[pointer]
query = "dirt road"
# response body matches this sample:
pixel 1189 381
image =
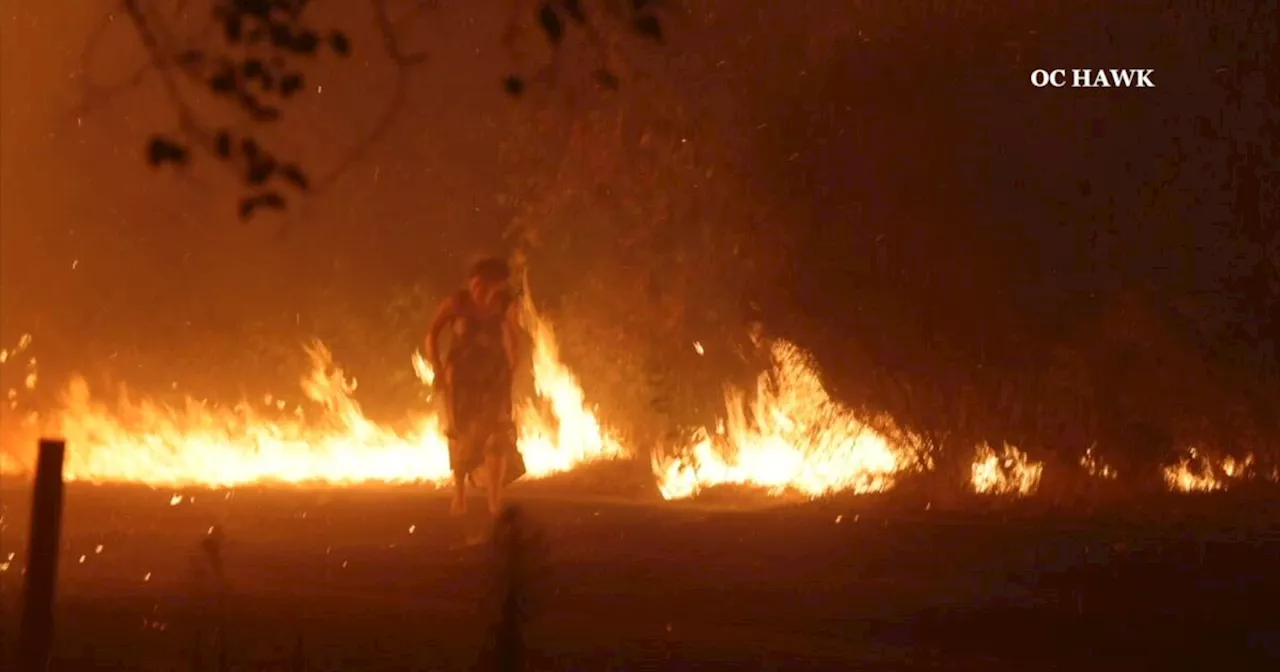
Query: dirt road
pixel 380 579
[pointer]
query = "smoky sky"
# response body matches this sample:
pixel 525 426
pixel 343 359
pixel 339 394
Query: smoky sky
pixel 1030 200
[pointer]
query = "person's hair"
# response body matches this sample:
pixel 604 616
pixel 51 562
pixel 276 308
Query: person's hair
pixel 491 269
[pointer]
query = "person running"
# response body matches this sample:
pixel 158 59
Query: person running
pixel 478 376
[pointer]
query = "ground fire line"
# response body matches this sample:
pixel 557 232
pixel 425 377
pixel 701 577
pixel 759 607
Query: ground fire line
pixel 788 437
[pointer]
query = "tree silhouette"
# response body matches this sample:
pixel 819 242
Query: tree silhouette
pixel 258 58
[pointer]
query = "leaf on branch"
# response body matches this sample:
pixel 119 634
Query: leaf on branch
pixel 233 28
pixel 253 68
pixel 162 150
pixel 222 144
pixel 306 42
pixel 295 176
pixel 224 82
pixel 340 43
pixel 258 8
pixel 281 36
pixel 552 25
pixel 513 85
pixel 291 84
pixel 251 204
pixel 606 79
pixel 256 109
pixel 260 170
pixel 649 26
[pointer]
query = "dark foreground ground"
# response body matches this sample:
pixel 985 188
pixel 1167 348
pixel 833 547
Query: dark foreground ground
pixel 377 579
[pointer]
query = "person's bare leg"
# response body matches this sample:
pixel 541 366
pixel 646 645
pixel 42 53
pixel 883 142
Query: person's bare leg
pixel 497 468
pixel 459 505
pixel 447 392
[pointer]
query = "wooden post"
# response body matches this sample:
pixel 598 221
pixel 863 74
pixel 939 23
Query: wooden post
pixel 505 649
pixel 35 637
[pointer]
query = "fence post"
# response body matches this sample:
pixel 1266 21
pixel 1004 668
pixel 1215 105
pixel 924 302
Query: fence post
pixel 516 556
pixel 35 635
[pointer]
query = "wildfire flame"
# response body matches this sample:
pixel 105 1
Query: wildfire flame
pixel 1195 472
pixel 569 434
pixel 201 445
pixel 1096 467
pixel 792 437
pixel 1007 473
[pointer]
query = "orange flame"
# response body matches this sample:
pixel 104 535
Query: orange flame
pixel 1007 473
pixel 792 437
pixel 198 444
pixel 1096 467
pixel 1195 472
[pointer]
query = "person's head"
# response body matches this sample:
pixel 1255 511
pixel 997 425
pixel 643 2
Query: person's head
pixel 487 279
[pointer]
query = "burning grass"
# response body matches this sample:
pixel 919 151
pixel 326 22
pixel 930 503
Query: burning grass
pixel 788 438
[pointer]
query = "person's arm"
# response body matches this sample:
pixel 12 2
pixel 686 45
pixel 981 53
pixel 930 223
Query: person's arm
pixel 445 314
pixel 511 336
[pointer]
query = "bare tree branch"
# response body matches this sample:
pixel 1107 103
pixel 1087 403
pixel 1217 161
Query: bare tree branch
pixel 238 75
pixel 404 64
pixel 94 92
pixel 160 62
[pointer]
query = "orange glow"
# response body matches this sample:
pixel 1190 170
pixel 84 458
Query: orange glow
pixel 1009 472
pixel 789 437
pixel 1096 467
pixel 202 445
pixel 1195 472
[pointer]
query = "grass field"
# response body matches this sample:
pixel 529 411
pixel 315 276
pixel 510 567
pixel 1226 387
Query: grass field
pixel 380 579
